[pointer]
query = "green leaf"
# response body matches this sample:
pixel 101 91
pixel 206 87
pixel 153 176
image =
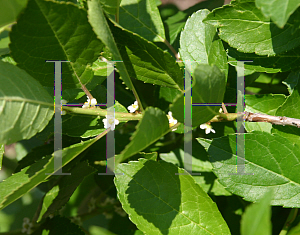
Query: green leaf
pixel 32 43
pixel 101 28
pixel 147 62
pixel 208 86
pixel 1 154
pixel 176 22
pixel 151 192
pixel 266 104
pixel 10 10
pixel 244 27
pixel 257 218
pixel 110 6
pixel 270 64
pixel 60 194
pixel 25 106
pixel 198 43
pixel 290 108
pixel 150 128
pixel 292 81
pixel 143 18
pixel 295 230
pixel 28 178
pixel 279 11
pixel 269 155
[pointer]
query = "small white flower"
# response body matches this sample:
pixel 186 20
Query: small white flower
pixel 220 110
pixel 132 108
pixel 208 128
pixel 110 122
pixel 63 102
pixel 89 103
pixel 172 121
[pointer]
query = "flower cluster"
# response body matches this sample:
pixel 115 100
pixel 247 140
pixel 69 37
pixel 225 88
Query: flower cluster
pixel 89 103
pixel 172 121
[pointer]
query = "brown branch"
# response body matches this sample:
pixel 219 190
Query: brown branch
pixel 277 120
pixel 257 117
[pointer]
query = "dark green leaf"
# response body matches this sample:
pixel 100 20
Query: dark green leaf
pixel 151 192
pixel 60 194
pixel 49 30
pixel 147 62
pixel 270 64
pixel 269 155
pixel 143 18
pixel 101 28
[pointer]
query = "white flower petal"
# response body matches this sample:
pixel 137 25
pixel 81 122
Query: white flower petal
pixel 93 102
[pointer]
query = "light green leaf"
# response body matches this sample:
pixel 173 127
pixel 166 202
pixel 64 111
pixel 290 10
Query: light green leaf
pixel 102 30
pixel 266 104
pixel 150 128
pixel 29 177
pixel 148 62
pixel 270 64
pixel 269 155
pixel 278 10
pixel 10 10
pixel 33 44
pixel 143 18
pixel 257 218
pixel 1 154
pixel 198 43
pixel 25 106
pixel 176 22
pixel 60 194
pixel 243 26
pixel 290 108
pixel 151 192
pixel 208 86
